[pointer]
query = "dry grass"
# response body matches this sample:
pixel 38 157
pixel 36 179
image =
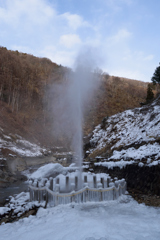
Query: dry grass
pixel 24 79
pixel 98 152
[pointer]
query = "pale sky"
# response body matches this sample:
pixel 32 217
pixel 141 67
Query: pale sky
pixel 124 34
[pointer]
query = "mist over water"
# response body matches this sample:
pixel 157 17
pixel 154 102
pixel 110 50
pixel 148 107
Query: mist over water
pixel 72 97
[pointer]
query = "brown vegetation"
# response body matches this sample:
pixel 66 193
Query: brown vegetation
pixel 114 95
pixel 24 80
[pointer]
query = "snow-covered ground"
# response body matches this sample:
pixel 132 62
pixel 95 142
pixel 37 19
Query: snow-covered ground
pixel 19 204
pixel 132 135
pixel 19 145
pixel 120 219
pixel 113 220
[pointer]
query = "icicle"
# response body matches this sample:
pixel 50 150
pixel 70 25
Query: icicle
pixel 94 182
pixel 102 182
pixel 67 184
pixel 51 184
pixel 76 183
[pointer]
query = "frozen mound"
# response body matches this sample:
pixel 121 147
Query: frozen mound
pixel 50 169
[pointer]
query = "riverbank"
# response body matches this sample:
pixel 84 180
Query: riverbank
pixel 13 168
pixel 13 179
pixel 14 171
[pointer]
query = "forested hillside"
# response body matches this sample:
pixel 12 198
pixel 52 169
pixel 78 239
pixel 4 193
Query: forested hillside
pixel 24 80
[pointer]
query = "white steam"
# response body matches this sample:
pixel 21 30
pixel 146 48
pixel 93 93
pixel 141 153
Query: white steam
pixel 70 100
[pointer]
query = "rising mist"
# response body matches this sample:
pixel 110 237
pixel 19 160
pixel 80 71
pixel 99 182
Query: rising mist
pixel 69 101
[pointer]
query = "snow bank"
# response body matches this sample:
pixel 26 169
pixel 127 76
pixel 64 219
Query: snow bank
pixel 4 210
pixel 19 204
pixel 142 152
pixel 114 220
pixel 47 170
pixel 112 164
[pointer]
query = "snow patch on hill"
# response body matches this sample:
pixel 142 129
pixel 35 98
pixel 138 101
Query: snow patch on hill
pixel 143 151
pixel 19 145
pixel 131 135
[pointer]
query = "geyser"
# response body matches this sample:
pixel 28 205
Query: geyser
pixel 83 84
pixel 70 100
pixel 80 91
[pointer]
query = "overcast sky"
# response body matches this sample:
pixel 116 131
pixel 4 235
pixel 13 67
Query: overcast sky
pixel 124 34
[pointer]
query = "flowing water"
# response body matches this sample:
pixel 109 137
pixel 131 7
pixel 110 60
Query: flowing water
pixel 12 189
pixel 33 163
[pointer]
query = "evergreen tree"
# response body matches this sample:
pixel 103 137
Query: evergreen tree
pixel 156 76
pixel 150 94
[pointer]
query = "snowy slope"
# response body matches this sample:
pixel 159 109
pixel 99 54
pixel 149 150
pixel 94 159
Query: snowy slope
pixel 19 145
pixel 133 135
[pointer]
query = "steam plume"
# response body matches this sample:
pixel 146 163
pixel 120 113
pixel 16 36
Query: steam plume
pixel 70 100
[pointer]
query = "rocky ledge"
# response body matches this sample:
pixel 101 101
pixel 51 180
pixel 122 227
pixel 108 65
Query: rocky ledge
pixel 143 183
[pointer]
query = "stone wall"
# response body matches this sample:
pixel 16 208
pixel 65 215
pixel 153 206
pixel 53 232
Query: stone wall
pixel 145 179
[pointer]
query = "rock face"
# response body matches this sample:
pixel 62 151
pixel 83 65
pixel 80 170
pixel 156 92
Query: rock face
pixel 145 179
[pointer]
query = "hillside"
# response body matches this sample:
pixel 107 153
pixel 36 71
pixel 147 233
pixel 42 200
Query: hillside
pixel 124 138
pixel 24 80
pixel 25 101
pixel 127 145
pixel 131 135
pixel 114 95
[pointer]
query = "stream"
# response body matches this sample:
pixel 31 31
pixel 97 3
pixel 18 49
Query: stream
pixel 33 163
pixel 14 188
